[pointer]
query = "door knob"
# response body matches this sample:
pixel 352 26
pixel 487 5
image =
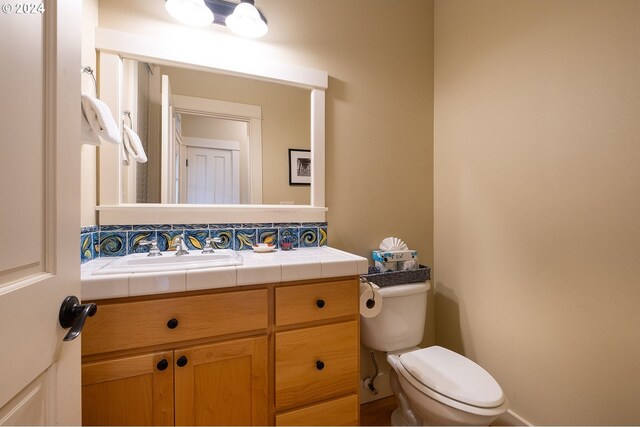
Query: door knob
pixel 73 315
pixel 182 361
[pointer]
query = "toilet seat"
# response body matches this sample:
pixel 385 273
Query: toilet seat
pixel 451 379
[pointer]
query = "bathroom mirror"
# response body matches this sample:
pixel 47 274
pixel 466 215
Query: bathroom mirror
pixel 229 137
pixel 186 61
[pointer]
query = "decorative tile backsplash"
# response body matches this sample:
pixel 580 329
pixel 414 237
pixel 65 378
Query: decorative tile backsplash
pixel 120 240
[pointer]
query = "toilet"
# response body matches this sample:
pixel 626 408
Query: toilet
pixel 434 386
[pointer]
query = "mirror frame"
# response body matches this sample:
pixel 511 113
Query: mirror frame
pixel 113 46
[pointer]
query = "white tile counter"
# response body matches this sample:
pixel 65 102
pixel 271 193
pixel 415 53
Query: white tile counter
pixel 257 268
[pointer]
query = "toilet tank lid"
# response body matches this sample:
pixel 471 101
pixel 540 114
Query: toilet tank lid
pixel 453 376
pixel 404 290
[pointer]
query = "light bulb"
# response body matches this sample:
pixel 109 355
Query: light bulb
pixel 246 21
pixel 190 12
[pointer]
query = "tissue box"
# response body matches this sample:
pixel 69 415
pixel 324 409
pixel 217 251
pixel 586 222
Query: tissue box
pixel 393 256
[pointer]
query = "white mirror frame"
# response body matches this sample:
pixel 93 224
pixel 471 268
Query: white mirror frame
pixel 113 46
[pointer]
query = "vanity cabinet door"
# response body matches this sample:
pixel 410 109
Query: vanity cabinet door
pixel 134 390
pixel 222 384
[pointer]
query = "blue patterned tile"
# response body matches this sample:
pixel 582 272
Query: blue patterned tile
pixel 289 232
pixel 115 228
pixel 112 243
pixel 323 236
pixel 244 239
pixel 313 224
pixel 223 226
pixel 88 229
pixel 196 238
pixel 166 239
pixel 227 237
pixel 287 224
pixel 135 237
pixel 257 225
pixel 87 249
pixel 268 235
pixel 151 227
pixel 309 237
pixel 181 227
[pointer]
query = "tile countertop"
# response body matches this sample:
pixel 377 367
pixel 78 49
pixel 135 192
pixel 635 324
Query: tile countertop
pixel 257 268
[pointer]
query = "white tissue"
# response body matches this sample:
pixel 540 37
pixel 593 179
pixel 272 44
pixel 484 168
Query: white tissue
pixel 370 300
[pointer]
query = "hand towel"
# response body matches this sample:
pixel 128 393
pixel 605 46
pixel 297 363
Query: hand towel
pixel 133 145
pixel 87 135
pixel 100 119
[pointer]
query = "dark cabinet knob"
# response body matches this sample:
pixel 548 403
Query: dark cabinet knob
pixel 320 303
pixel 162 365
pixel 182 361
pixel 172 324
pixel 319 365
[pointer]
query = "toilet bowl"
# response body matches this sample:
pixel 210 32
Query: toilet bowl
pixel 434 386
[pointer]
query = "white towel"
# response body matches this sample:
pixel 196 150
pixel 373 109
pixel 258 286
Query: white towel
pixel 100 119
pixel 133 145
pixel 87 135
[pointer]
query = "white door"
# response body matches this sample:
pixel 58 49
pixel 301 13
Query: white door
pixel 39 210
pixel 212 176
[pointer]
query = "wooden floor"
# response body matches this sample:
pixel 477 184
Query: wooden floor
pixel 378 412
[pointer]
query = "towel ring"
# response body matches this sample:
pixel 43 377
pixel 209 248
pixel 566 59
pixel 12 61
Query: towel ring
pixel 127 113
pixel 89 70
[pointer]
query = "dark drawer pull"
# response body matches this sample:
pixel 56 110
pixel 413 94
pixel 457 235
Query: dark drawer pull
pixel 172 324
pixel 319 365
pixel 162 365
pixel 320 303
pixel 182 361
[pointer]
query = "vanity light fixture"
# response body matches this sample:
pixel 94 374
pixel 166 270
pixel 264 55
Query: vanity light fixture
pixel 246 20
pixel 243 19
pixel 190 12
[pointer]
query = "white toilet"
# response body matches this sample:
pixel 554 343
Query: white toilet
pixel 434 386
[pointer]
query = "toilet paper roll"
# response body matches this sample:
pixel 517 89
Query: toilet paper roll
pixel 370 300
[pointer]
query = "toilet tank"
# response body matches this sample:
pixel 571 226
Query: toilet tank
pixel 400 323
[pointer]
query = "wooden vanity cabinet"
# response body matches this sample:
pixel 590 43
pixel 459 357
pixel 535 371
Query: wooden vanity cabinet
pixel 283 354
pixel 220 382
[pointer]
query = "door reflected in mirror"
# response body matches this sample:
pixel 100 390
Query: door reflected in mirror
pixel 212 138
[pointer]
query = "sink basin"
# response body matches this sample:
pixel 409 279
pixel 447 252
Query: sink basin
pixel 142 263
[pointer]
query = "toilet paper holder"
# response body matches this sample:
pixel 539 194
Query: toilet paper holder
pixel 371 302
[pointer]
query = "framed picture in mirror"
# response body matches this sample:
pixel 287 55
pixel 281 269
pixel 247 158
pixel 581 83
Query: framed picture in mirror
pixel 299 167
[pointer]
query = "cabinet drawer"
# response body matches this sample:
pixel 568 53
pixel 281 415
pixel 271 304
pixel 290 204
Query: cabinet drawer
pixel 314 364
pixel 317 301
pixel 338 412
pixel 139 324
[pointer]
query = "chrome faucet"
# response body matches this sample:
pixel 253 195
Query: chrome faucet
pixel 153 247
pixel 181 245
pixel 208 247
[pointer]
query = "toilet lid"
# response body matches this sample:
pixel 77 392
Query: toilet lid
pixel 453 376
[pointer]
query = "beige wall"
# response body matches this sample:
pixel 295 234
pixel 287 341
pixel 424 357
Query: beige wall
pixel 537 201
